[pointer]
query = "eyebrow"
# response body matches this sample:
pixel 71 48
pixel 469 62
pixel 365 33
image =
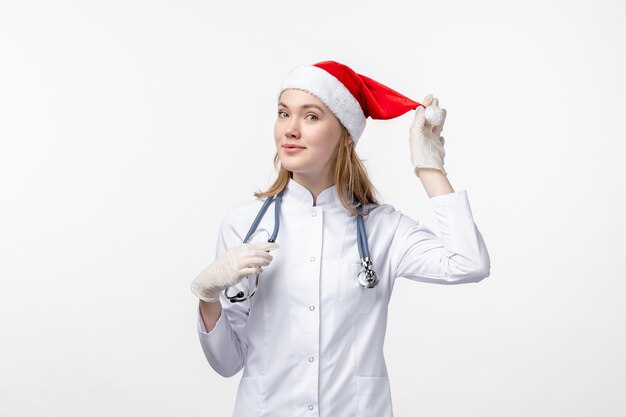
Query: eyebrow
pixel 304 106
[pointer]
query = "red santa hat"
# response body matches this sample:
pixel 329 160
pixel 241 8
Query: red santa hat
pixel 350 96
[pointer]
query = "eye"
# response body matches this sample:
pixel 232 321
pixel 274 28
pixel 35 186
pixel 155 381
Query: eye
pixel 314 117
pixel 281 113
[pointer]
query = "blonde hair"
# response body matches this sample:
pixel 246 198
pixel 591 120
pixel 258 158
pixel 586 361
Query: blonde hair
pixel 351 179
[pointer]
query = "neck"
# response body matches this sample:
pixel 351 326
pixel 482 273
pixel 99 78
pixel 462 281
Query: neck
pixel 314 183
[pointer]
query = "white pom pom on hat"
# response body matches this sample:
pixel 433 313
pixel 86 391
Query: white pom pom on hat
pixel 434 115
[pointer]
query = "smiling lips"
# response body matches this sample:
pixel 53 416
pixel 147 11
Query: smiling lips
pixel 290 149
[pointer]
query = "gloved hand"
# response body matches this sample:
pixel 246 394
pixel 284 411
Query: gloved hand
pixel 426 145
pixel 230 268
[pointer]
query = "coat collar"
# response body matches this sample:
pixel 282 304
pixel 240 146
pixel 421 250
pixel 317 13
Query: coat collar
pixel 300 194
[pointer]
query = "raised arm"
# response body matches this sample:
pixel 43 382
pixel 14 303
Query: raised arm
pixel 459 254
pixel 434 182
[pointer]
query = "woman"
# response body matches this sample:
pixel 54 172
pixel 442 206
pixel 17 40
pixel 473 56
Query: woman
pixel 310 339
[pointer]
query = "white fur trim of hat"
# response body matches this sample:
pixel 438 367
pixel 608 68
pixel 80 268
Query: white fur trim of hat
pixel 330 91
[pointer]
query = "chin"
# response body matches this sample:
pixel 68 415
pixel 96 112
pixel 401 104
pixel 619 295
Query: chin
pixel 290 163
pixel 295 168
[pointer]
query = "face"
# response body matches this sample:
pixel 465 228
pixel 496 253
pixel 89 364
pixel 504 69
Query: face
pixel 306 134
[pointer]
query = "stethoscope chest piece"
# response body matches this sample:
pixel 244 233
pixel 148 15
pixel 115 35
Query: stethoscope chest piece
pixel 368 278
pixel 240 296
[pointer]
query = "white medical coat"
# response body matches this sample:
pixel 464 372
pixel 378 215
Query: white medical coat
pixel 310 341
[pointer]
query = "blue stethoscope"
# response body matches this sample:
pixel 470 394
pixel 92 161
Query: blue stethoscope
pixel 367 277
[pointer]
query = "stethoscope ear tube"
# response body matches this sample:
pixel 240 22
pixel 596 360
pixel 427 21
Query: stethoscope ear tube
pixel 368 278
pixel 279 200
pixel 259 216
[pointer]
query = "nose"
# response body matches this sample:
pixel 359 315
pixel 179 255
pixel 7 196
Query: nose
pixel 293 130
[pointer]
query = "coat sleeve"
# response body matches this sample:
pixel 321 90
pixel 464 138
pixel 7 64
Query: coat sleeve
pixel 226 345
pixel 458 255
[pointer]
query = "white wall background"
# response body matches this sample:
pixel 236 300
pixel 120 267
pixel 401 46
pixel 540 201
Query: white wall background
pixel 129 128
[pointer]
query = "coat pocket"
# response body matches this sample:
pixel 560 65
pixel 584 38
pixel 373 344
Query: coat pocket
pixel 355 298
pixel 249 401
pixel 374 396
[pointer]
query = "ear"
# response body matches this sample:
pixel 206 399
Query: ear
pixel 346 134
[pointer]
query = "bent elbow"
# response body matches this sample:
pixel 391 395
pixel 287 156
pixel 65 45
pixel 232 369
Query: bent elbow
pixel 481 268
pixel 480 271
pixel 227 371
pixel 484 266
pixel 480 274
pixel 468 277
pixel 225 360
pixel 476 273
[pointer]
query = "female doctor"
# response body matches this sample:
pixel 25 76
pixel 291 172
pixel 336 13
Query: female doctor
pixel 310 335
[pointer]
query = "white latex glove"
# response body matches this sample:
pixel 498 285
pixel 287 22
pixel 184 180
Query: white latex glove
pixel 230 268
pixel 426 145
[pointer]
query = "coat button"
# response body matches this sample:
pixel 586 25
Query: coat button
pixel 311 308
pixel 313 213
pixel 311 358
pixel 310 407
pixel 312 259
